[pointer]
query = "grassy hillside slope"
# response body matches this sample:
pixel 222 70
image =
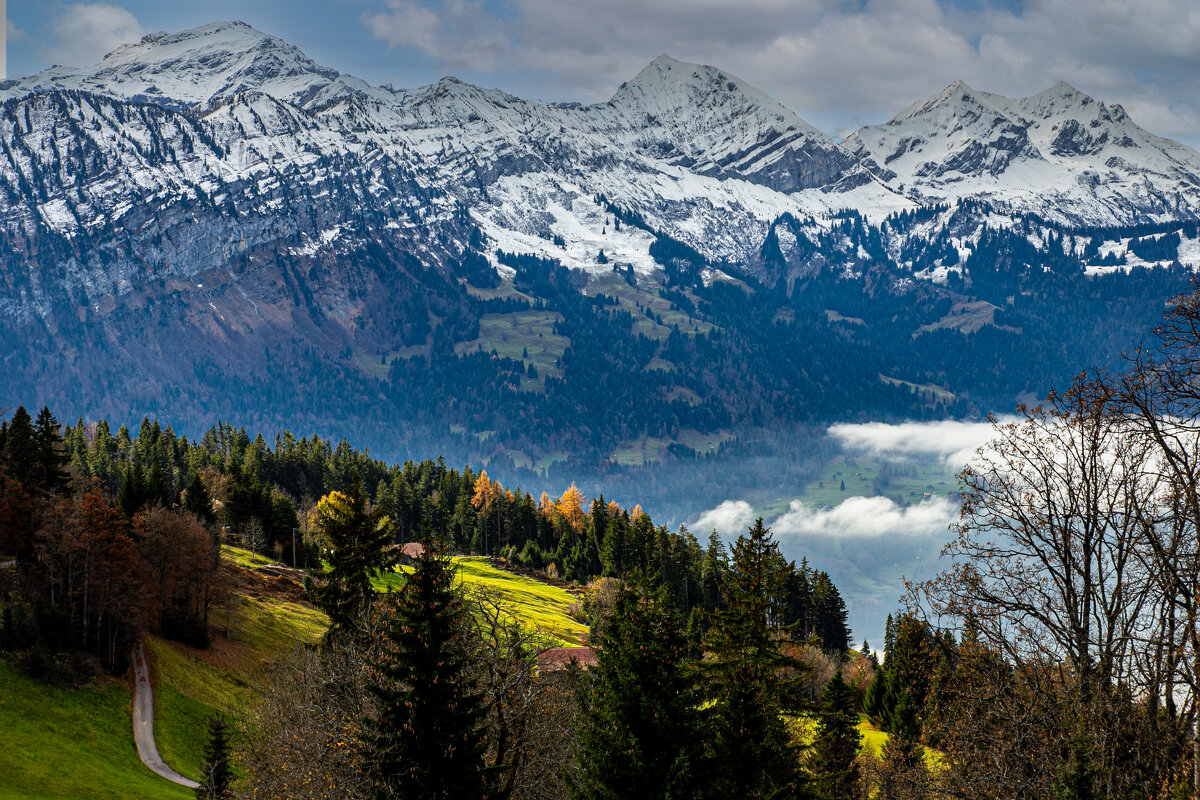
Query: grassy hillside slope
pixel 74 744
pixel 79 744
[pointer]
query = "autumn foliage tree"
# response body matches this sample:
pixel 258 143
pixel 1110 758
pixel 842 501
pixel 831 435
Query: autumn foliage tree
pixel 82 589
pixel 183 566
pixel 355 538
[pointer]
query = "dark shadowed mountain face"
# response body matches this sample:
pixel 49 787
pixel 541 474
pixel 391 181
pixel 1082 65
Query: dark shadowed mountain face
pixel 209 225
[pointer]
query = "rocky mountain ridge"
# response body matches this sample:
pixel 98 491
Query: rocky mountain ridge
pixel 220 129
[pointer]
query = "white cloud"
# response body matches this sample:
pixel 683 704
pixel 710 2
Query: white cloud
pixel 84 32
pixel 13 33
pixel 729 519
pixel 406 24
pixel 854 517
pixel 835 60
pixel 867 517
pixel 949 442
pixel 457 33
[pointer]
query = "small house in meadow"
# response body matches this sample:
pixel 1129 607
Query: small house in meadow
pixel 557 659
pixel 410 552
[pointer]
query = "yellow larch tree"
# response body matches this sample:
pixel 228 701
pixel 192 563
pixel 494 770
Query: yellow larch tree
pixel 570 506
pixel 485 491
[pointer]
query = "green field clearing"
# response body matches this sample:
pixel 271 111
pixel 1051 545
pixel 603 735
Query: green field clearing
pixel 681 393
pixel 72 743
pixel 858 473
pixel 380 364
pixel 643 450
pixel 873 739
pixel 247 559
pixel 967 318
pixel 630 298
pixel 505 290
pixel 539 605
pixel 703 442
pixel 648 449
pixel 544 461
pixel 523 335
pixel 937 391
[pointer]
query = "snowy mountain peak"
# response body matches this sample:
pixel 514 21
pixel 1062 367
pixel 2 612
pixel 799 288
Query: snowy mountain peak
pixel 716 123
pixel 952 97
pixel 1059 153
pixel 193 67
pixel 667 85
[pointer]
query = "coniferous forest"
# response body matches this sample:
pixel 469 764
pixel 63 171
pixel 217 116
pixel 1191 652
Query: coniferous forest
pixel 1052 657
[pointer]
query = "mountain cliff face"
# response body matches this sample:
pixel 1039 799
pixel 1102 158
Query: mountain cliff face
pixel 213 223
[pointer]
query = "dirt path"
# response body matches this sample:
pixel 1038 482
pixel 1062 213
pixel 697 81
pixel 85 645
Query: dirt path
pixel 143 721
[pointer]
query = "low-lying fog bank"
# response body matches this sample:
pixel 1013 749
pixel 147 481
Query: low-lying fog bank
pixel 869 545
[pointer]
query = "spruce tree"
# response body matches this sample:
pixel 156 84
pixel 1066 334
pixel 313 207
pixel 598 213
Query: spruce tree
pixel 642 735
pixel 356 538
pixel 758 758
pixel 836 743
pixel 132 495
pixel 21 451
pixel 216 776
pixel 198 501
pixel 428 740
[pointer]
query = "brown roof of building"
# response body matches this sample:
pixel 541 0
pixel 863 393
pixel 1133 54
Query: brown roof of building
pixel 559 658
pixel 413 550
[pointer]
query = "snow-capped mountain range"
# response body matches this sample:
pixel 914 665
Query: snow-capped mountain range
pixel 175 152
pixel 1059 153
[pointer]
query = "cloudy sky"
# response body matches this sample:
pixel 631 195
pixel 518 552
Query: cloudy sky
pixel 837 63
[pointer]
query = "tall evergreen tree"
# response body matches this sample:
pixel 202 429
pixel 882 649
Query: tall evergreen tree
pixel 642 736
pixel 198 501
pixel 712 571
pixel 428 741
pixel 758 758
pixel 133 493
pixel 216 775
pixel 836 743
pixel 831 615
pixel 356 539
pixel 21 451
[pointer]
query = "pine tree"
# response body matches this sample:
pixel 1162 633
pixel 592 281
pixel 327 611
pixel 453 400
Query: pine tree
pixel 132 495
pixel 642 737
pixel 712 571
pixel 216 775
pixel 198 501
pixel 21 451
pixel 356 539
pixel 831 614
pixel 836 743
pixel 758 757
pixel 428 741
